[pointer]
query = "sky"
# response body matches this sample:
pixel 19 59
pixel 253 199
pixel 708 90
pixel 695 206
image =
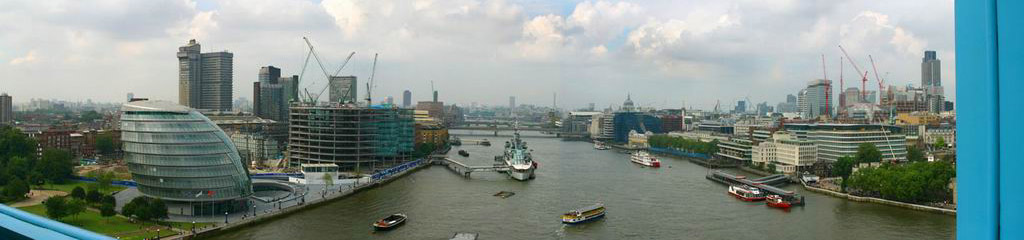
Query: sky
pixel 663 53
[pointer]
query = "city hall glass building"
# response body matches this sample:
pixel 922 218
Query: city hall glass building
pixel 177 154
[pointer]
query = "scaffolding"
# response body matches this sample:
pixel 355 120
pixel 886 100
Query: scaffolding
pixel 359 139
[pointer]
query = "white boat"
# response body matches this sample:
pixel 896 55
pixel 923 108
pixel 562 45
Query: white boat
pixel 746 193
pixel 599 145
pixel 518 159
pixel 643 158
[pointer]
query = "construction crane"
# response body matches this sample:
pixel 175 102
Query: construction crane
pixel 369 82
pixel 828 85
pixel 863 77
pixel 320 63
pixel 881 86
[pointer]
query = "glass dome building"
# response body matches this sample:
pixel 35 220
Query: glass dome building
pixel 177 154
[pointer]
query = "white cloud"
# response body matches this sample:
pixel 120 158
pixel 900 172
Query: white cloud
pixel 30 57
pixel 494 47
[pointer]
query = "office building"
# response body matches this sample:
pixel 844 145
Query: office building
pixel 624 122
pixel 390 100
pixel 290 86
pixel 931 81
pixel 342 89
pixel 177 154
pixel 6 109
pixel 434 110
pixel 816 99
pixel 204 79
pixel 435 96
pixel 577 124
pixel 407 99
pixel 837 140
pixel 602 126
pixel 741 107
pixel 736 149
pixel 356 139
pixel 789 153
pixel 272 99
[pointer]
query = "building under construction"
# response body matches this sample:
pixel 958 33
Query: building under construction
pixel 359 139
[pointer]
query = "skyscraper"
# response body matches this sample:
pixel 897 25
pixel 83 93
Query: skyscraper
pixel 272 101
pixel 435 95
pixel 931 81
pixel 342 89
pixel 816 99
pixel 512 102
pixel 290 85
pixel 6 110
pixel 204 79
pixel 407 99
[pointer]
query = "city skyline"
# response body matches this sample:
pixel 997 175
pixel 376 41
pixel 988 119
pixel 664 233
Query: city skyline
pixel 661 54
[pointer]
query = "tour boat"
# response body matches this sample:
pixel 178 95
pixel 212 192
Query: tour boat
pixel 600 145
pixel 390 222
pixel 746 193
pixel 776 201
pixel 582 215
pixel 643 158
pixel 463 153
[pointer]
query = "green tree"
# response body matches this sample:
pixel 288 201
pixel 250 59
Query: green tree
pixel 56 165
pixel 328 180
pixel 107 210
pixel 75 206
pixel 137 208
pixel 78 193
pixel 93 196
pixel 15 144
pixel 914 154
pixel 18 166
pixel 843 168
pixel 105 143
pixel 56 207
pixel 15 189
pixel 145 208
pixel 35 178
pixel 771 167
pixel 109 199
pixel 157 209
pixel 867 153
pixel 940 143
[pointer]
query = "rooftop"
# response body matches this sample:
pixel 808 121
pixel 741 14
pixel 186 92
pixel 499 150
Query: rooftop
pixel 154 106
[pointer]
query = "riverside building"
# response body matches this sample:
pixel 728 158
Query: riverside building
pixel 177 154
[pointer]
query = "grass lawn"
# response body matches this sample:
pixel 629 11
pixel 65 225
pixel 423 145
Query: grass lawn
pixel 112 226
pixel 71 184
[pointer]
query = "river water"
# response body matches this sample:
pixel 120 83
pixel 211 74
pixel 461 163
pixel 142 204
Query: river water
pixel 671 202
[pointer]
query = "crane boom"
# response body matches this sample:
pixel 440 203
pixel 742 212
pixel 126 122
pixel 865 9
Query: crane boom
pixel 369 82
pixel 863 77
pixel 878 79
pixel 343 64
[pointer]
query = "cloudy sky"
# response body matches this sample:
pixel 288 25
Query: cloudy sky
pixel 664 53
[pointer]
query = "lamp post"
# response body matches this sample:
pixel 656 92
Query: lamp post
pixel 193 226
pixel 225 217
pixel 157 233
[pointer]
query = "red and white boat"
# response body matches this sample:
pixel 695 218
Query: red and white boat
pixel 776 201
pixel 643 158
pixel 746 193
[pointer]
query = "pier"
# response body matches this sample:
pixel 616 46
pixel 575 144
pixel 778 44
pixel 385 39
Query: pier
pixel 764 183
pixel 466 170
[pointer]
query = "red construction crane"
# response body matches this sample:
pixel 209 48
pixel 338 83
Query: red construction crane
pixel 881 86
pixel 863 77
pixel 828 87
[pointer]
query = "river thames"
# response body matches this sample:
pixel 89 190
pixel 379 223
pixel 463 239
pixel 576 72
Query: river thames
pixel 671 202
